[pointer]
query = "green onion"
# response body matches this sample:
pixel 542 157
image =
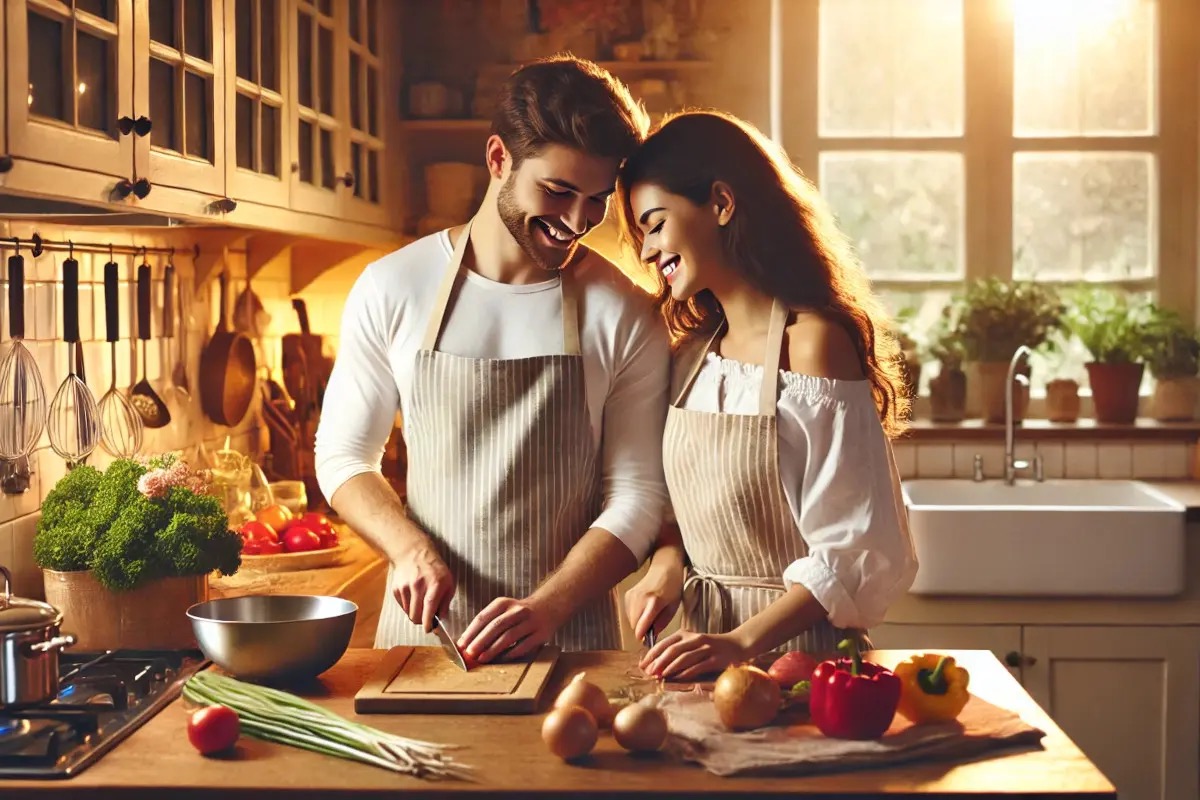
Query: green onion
pixel 283 718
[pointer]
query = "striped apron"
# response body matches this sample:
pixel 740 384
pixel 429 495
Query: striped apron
pixel 502 474
pixel 722 473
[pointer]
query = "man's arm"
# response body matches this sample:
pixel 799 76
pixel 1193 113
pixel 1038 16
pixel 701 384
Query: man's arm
pixel 349 448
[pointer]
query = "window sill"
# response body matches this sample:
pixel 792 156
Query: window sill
pixel 1042 430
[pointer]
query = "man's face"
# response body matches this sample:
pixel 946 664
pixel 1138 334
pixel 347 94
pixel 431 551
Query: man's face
pixel 552 199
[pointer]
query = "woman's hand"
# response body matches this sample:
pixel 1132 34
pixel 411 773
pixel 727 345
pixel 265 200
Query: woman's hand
pixel 685 655
pixel 652 602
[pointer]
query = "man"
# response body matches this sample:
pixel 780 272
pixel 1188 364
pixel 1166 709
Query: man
pixel 531 378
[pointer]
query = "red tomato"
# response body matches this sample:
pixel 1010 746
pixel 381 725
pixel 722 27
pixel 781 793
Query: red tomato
pixel 269 548
pixel 259 531
pixel 213 729
pixel 298 538
pixel 791 668
pixel 322 526
pixel 252 547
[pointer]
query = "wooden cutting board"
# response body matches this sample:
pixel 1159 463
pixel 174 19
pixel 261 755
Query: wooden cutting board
pixel 424 680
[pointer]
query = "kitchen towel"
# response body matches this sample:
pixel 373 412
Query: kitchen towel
pixel 794 746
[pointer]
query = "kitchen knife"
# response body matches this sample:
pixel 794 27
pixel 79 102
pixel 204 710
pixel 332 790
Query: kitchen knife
pixel 448 644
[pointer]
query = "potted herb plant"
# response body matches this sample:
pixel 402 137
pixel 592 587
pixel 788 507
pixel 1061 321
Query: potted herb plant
pixel 994 318
pixel 1174 362
pixel 126 551
pixel 947 389
pixel 1118 337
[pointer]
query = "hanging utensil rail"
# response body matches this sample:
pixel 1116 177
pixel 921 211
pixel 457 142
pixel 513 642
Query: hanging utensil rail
pixel 37 245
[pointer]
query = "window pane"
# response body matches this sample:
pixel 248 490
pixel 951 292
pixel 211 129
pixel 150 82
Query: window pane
pixel 1083 67
pixel 1084 216
pixel 162 106
pixel 270 140
pixel 304 152
pixel 245 39
pixel 196 14
pixel 325 68
pixel 162 22
pixel 245 133
pixel 373 25
pixel 93 82
pixel 373 175
pixel 372 101
pixel 198 96
pixel 891 69
pixel 46 67
pixel 304 51
pixel 902 211
pixel 269 33
pixel 355 21
pixel 356 164
pixel 326 159
pixel 105 9
pixel 356 92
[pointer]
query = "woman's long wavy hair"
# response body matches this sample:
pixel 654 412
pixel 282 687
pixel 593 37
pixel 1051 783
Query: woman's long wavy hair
pixel 782 238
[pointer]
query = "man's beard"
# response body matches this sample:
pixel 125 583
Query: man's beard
pixel 514 217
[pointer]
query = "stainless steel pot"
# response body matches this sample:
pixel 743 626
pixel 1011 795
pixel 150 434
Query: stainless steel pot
pixel 29 646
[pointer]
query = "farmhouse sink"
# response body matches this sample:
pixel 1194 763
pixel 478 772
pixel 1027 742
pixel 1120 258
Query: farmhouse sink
pixel 1094 538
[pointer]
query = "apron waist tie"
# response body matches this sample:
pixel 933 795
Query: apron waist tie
pixel 709 592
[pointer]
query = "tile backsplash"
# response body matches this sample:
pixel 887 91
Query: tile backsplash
pixel 1142 460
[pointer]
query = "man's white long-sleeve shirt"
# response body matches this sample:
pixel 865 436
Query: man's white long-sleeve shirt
pixel 625 353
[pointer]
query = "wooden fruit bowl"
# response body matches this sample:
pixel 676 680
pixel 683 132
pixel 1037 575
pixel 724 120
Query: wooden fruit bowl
pixel 293 562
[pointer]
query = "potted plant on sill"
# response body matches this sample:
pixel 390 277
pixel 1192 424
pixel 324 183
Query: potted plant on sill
pixel 947 389
pixel 126 551
pixel 994 318
pixel 1174 363
pixel 1118 337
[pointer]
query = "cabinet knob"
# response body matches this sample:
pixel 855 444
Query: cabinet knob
pixel 6 164
pixel 139 188
pixel 141 126
pixel 1015 659
pixel 347 180
pixel 223 206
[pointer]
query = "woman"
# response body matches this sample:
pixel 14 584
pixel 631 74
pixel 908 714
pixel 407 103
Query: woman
pixel 785 490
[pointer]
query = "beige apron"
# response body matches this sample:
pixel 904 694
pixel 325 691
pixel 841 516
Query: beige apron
pixel 502 473
pixel 722 473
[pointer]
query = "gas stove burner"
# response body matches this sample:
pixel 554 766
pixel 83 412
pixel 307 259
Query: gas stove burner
pixel 103 697
pixel 13 731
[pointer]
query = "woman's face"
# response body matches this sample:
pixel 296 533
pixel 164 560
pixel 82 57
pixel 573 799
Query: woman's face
pixel 682 240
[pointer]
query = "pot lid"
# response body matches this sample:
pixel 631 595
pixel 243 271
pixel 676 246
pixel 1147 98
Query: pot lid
pixel 18 614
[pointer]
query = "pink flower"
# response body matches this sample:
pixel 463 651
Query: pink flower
pixel 153 483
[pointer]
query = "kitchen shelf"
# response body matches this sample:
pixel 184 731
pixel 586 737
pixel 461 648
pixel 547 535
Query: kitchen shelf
pixel 447 124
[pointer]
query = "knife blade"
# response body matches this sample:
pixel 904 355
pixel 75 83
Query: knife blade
pixel 448 644
pixel 650 638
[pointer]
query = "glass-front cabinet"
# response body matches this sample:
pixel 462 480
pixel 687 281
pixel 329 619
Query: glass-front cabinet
pixel 69 79
pixel 256 68
pixel 179 46
pixel 337 165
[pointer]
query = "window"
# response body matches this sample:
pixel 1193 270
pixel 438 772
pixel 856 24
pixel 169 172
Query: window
pixel 1031 139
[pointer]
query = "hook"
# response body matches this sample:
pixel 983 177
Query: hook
pixel 144 251
pixel 111 257
pixel 37 244
pixel 17 244
pixel 70 250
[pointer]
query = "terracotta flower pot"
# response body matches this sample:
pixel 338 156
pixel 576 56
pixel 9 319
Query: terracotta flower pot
pixel 1062 400
pixel 992 376
pixel 948 395
pixel 150 617
pixel 1115 391
pixel 1175 399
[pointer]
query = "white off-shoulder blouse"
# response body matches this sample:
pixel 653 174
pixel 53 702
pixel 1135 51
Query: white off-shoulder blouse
pixel 840 480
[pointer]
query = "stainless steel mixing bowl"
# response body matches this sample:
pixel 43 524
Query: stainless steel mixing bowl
pixel 274 637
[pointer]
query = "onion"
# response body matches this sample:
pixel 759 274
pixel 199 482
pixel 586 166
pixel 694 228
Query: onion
pixel 639 728
pixel 570 732
pixel 588 696
pixel 746 698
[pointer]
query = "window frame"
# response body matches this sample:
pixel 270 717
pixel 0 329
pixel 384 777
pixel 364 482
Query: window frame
pixel 988 143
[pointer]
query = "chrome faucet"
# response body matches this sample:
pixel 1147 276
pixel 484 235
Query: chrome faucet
pixel 1011 463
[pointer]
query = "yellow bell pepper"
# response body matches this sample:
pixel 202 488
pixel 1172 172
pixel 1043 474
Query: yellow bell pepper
pixel 932 688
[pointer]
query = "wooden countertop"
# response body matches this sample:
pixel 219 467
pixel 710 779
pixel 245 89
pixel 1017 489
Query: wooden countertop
pixel 157 761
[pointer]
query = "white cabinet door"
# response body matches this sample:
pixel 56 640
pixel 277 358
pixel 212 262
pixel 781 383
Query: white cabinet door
pixel 1129 697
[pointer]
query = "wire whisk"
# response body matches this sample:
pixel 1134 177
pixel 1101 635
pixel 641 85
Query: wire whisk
pixel 22 393
pixel 121 425
pixel 73 421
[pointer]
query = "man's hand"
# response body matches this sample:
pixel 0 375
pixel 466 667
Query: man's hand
pixel 653 600
pixel 423 584
pixel 508 629
pixel 685 655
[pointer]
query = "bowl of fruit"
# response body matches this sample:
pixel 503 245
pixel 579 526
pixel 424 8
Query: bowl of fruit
pixel 275 540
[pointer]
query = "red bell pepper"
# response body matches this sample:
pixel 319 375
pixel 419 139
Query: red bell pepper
pixel 853 700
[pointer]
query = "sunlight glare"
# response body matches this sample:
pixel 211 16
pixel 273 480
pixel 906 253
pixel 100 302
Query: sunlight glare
pixel 1047 21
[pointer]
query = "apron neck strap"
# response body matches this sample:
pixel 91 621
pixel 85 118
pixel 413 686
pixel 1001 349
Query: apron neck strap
pixel 437 319
pixel 769 388
pixel 770 377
